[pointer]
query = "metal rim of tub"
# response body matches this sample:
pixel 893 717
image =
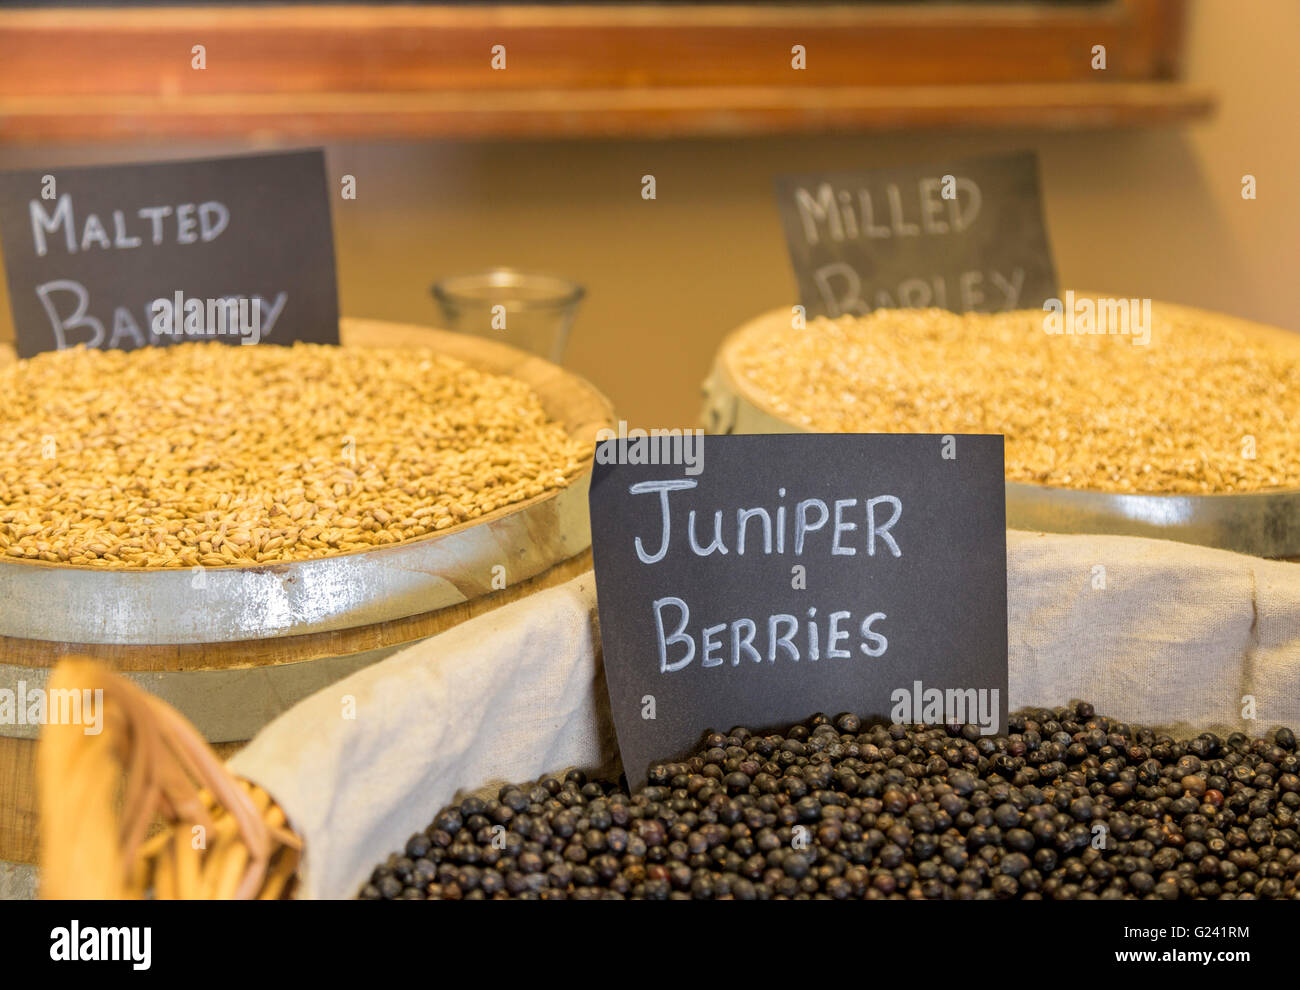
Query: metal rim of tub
pixel 55 603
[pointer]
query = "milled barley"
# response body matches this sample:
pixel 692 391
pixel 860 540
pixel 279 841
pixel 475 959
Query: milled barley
pixel 1210 405
pixel 212 455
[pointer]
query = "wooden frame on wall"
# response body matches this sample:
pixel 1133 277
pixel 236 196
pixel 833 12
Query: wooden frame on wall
pixel 355 72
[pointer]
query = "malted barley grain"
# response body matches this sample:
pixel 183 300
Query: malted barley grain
pixel 205 454
pixel 1205 407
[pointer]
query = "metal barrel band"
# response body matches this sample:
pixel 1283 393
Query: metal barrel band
pixel 225 705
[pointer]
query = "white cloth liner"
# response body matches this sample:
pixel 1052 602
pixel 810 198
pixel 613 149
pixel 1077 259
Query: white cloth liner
pixel 1151 631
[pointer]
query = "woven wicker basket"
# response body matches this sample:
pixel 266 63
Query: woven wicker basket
pixel 135 804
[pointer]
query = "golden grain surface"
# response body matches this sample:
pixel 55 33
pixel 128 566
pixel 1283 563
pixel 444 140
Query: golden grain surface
pixel 208 454
pixel 1208 406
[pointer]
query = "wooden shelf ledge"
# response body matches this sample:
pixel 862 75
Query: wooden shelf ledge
pixel 608 113
pixel 309 72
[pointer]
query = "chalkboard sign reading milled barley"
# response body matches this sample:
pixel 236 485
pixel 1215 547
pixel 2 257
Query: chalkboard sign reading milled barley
pixel 1068 805
pixel 966 235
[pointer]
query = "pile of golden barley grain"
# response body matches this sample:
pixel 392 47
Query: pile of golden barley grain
pixel 1209 405
pixel 208 454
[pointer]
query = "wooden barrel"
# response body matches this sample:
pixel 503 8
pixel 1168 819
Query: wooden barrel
pixel 261 637
pixel 1264 524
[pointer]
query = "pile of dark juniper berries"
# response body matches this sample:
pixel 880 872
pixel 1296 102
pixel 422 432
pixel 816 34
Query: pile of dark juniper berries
pixel 1068 805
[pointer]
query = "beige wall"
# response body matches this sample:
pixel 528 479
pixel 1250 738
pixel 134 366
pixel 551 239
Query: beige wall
pixel 1142 213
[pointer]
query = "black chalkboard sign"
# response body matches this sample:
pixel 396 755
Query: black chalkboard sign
pixel 758 580
pixel 238 250
pixel 967 235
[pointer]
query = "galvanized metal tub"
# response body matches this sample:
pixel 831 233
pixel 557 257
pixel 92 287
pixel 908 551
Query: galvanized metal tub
pixel 1264 524
pixel 255 639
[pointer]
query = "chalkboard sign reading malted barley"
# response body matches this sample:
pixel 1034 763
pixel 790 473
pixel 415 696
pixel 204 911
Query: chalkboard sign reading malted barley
pixel 757 580
pixel 238 250
pixel 965 235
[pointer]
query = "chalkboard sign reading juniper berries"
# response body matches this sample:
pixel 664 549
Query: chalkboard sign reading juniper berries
pixel 801 573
